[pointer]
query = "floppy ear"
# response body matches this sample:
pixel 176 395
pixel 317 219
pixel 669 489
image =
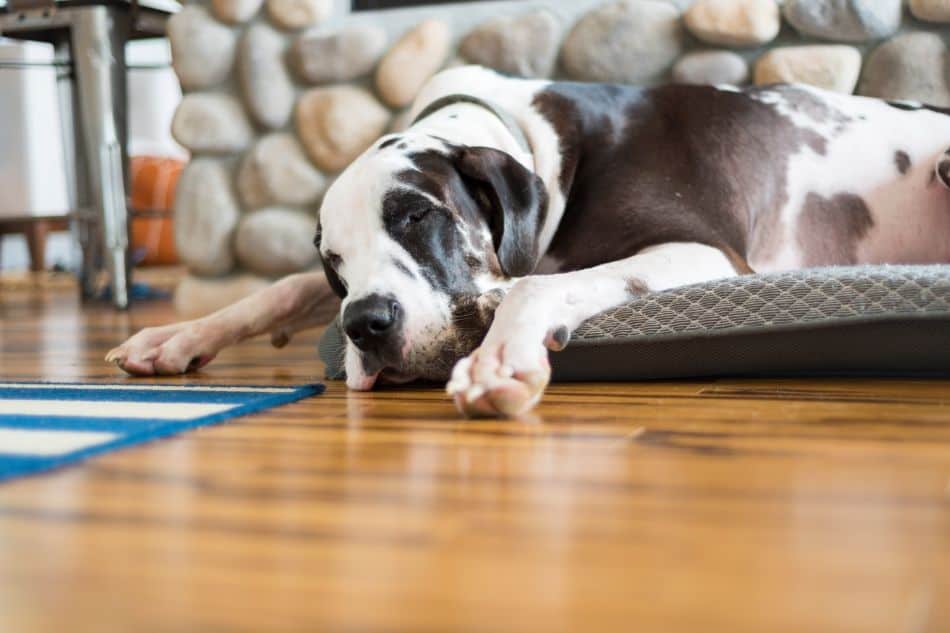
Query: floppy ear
pixel 332 278
pixel 513 201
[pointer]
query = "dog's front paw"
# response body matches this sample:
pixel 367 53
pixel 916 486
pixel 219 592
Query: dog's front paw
pixel 169 350
pixel 504 379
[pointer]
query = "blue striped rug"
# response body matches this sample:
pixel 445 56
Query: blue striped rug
pixel 44 425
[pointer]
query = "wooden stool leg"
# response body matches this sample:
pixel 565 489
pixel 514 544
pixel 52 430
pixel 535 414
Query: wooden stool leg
pixel 36 243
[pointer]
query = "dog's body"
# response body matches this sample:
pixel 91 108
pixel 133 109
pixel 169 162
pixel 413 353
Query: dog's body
pixel 562 200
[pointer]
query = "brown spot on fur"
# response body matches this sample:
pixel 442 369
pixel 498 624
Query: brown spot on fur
pixel 902 160
pixel 470 320
pixel 636 288
pixel 830 229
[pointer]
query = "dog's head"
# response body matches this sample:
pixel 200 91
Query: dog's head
pixel 420 238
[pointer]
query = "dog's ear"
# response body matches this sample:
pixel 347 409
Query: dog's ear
pixel 513 200
pixel 318 236
pixel 332 278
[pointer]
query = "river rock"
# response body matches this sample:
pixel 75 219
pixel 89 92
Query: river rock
pixel 338 123
pixel 734 22
pixel 276 241
pixel 196 297
pixel 525 46
pixel 412 61
pixel 711 67
pixel 206 215
pixel 931 10
pixel 235 11
pixel 832 67
pixel 631 41
pixel 298 14
pixel 212 123
pixel 912 67
pixel 844 20
pixel 276 171
pixel 335 57
pixel 202 48
pixel 265 82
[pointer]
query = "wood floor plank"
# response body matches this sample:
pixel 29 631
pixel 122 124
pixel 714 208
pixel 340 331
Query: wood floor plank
pixel 706 505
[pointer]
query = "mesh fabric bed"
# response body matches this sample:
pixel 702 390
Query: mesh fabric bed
pixel 880 320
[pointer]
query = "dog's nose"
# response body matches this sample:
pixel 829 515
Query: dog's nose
pixel 371 321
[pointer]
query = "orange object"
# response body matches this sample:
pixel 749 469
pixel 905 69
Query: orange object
pixel 151 199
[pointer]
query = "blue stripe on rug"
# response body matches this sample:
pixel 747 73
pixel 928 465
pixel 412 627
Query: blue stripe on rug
pixel 45 425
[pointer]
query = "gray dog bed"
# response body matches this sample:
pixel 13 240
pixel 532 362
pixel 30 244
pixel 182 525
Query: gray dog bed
pixel 880 320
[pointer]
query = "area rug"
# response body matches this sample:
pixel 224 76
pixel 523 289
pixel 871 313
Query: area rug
pixel 45 425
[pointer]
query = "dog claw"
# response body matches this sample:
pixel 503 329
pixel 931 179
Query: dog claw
pixel 279 339
pixel 558 338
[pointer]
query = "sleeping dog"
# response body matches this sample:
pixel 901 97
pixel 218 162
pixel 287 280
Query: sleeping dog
pixel 511 210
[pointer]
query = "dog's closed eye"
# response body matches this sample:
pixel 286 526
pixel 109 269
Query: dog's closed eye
pixel 418 213
pixel 331 267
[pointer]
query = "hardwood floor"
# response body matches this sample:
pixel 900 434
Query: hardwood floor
pixel 727 505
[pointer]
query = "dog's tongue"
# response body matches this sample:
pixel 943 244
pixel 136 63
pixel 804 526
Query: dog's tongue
pixel 362 382
pixel 366 379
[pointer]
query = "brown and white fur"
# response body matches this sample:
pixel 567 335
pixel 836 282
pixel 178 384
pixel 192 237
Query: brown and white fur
pixel 458 253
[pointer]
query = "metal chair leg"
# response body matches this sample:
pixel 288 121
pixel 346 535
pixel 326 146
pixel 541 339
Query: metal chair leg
pixel 99 36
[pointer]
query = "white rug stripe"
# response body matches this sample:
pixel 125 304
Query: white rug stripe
pixel 93 387
pixel 113 409
pixel 48 443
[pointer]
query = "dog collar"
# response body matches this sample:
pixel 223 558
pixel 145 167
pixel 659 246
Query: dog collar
pixel 508 121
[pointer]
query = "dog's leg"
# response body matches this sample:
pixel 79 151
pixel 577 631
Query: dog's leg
pixel 507 374
pixel 288 306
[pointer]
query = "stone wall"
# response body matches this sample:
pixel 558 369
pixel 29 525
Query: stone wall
pixel 283 94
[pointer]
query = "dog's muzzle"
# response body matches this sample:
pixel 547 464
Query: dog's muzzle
pixel 374 325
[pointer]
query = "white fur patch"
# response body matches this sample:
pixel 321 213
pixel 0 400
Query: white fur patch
pixel 507 374
pixel 910 219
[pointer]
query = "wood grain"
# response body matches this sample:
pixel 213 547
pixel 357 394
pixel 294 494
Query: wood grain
pixel 730 505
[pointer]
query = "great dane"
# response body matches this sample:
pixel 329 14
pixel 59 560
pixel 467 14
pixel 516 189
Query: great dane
pixel 468 246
